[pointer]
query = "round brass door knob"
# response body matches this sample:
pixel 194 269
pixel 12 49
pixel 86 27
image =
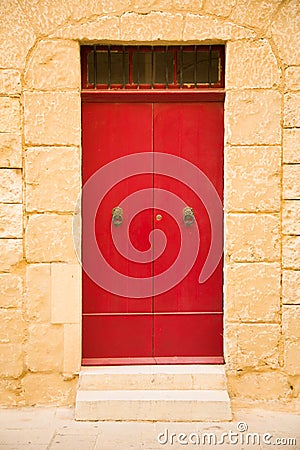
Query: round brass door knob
pixel 158 217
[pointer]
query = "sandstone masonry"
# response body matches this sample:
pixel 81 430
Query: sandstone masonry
pixel 40 158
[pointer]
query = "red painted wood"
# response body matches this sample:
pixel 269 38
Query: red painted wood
pixel 117 336
pixel 193 131
pixel 163 329
pixel 110 131
pixel 206 95
pixel 141 361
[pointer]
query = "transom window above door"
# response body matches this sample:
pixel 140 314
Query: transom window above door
pixel 148 67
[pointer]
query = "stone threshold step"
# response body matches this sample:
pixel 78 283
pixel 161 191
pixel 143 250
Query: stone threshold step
pixel 162 405
pixel 157 368
pixel 207 377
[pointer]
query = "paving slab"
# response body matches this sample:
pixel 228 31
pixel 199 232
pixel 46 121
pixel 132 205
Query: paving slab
pixel 55 429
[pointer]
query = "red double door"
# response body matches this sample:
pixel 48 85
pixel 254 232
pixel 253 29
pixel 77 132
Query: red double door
pixel 156 311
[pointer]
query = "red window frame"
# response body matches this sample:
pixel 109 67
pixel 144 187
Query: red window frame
pixel 130 86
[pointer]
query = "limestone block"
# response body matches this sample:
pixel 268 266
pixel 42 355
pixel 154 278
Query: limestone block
pixel 101 28
pixel 253 117
pixel 10 392
pixel 72 349
pixel 292 357
pixel 11 289
pixel 52 178
pixel 292 78
pixel 291 145
pixel 48 389
pixel 291 252
pixel 11 253
pixel 188 5
pixel 252 237
pixel 11 221
pixel 151 27
pixel 54 65
pixel 254 13
pixel 10 150
pixel 291 287
pixel 16 35
pixel 219 7
pixel 230 343
pixel 209 28
pixel 46 15
pixel 258 345
pixel 291 217
pixel 52 118
pixel 10 186
pixel 65 293
pixel 291 182
pixel 12 326
pixel 253 292
pixel 38 292
pixel 142 6
pixel 11 356
pixel 48 237
pixel 10 82
pixel 257 385
pixel 291 321
pixel 286 32
pixel 44 347
pixel 9 115
pixel 252 178
pixel 251 64
pixel 292 109
pixel 297 387
pixel 92 8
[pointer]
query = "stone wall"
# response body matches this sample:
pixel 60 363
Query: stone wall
pixel 40 136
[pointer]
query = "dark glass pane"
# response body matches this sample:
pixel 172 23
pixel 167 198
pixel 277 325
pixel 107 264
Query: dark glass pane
pixel 117 67
pixel 188 64
pixel 90 63
pixel 142 68
pixel 206 72
pixel 215 67
pixel 164 67
pixel 102 67
pixel 203 67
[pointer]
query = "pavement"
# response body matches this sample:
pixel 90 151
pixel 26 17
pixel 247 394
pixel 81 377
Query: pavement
pixel 54 428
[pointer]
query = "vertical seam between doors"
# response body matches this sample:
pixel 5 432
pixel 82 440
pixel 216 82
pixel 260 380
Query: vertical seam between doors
pixel 153 224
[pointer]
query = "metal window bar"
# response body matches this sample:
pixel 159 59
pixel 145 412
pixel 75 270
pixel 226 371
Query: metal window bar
pixel 175 55
pixel 152 68
pixel 109 66
pixel 130 68
pixel 181 68
pixel 123 67
pixel 95 67
pixel 195 65
pixel 167 67
pixel 209 66
pixel 138 67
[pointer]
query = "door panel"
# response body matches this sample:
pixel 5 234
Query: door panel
pixel 193 131
pixel 117 336
pixel 185 321
pixel 110 132
pixel 188 335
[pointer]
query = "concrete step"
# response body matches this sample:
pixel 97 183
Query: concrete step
pixel 156 405
pixel 161 377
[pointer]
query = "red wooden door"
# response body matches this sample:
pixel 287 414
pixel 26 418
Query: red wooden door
pixel 156 311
